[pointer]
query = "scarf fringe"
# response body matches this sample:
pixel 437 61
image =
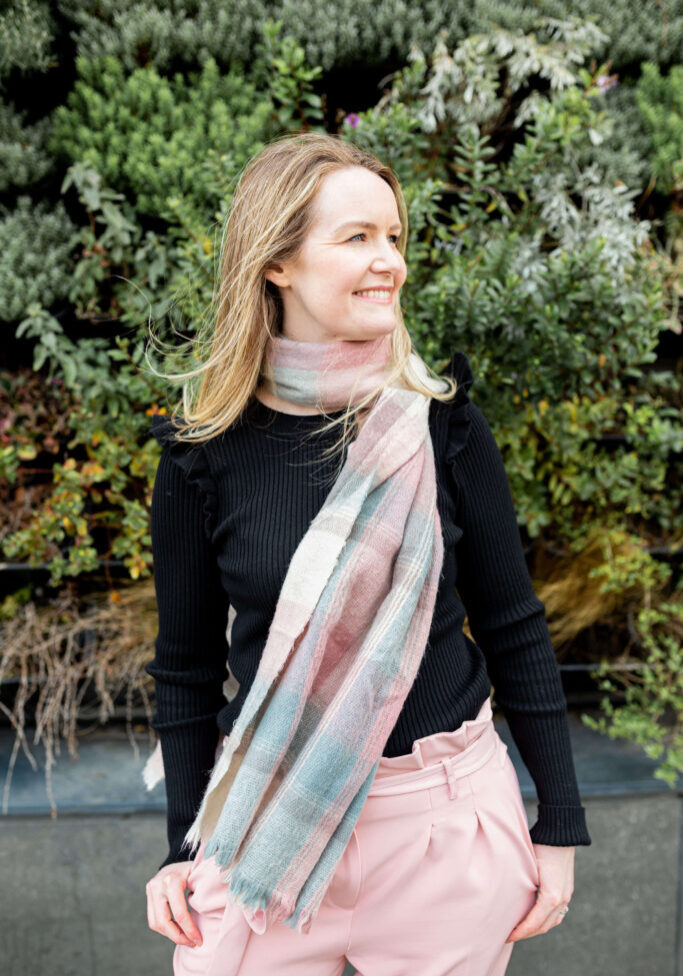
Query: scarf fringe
pixel 251 896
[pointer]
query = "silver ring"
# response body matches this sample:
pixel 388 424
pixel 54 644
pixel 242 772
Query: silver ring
pixel 564 909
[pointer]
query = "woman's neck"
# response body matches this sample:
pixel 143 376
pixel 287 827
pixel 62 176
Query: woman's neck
pixel 284 406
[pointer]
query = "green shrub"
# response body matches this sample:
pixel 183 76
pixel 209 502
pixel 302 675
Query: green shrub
pixel 660 101
pixel 624 154
pixel 151 137
pixel 652 689
pixel 23 159
pixel 542 271
pixel 36 241
pixel 352 31
pixel 26 36
pixel 129 273
pixel 522 256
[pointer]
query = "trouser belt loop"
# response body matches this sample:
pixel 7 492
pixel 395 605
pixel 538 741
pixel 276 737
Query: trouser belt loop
pixel 452 779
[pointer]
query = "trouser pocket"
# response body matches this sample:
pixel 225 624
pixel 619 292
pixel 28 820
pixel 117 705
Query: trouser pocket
pixel 497 799
pixel 515 794
pixel 208 893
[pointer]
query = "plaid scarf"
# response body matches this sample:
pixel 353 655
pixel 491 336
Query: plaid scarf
pixel 344 646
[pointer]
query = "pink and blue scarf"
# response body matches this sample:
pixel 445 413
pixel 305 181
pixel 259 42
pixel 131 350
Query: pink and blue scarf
pixel 344 646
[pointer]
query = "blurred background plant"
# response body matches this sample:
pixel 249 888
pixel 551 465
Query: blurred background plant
pixel 540 156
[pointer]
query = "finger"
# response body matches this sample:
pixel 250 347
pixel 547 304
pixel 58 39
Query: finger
pixel 535 923
pixel 183 921
pixel 527 928
pixel 150 909
pixel 159 917
pixel 166 925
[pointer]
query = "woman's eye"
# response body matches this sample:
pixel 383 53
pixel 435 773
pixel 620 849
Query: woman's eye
pixel 395 236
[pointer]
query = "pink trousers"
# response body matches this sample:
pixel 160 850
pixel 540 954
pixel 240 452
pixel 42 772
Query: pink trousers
pixel 438 871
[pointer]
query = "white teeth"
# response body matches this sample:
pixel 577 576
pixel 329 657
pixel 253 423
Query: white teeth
pixel 374 294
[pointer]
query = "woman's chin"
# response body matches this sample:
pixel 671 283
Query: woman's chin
pixel 372 330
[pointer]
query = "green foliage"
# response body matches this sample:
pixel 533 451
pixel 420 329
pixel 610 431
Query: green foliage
pixel 36 241
pixel 623 153
pixel 12 603
pixel 563 477
pixel 126 271
pixel 280 67
pixel 352 31
pixel 26 35
pixel 151 137
pixel 98 504
pixel 91 496
pixel 112 238
pixel 653 689
pixel 162 34
pixel 23 159
pixel 660 101
pixel 539 257
pixel 535 254
pixel 34 421
pixel 434 96
pixel 130 274
pixel 107 380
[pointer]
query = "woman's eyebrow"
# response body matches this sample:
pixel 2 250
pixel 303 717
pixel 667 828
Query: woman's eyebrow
pixel 363 223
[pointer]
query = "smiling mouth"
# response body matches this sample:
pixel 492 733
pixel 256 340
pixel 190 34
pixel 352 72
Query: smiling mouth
pixel 383 299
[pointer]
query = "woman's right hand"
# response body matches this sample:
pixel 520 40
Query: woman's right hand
pixel 167 909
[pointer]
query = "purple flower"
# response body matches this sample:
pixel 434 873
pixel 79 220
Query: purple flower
pixel 352 119
pixel 605 82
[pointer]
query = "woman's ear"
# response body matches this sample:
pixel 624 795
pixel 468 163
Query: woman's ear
pixel 277 276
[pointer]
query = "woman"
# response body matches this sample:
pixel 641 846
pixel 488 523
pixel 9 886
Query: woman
pixel 359 804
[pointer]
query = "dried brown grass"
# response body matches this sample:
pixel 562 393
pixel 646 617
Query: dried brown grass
pixel 572 597
pixel 60 651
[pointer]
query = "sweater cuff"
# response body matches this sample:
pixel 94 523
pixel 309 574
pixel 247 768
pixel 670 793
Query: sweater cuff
pixel 560 826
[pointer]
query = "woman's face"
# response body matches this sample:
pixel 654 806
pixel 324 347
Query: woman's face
pixel 320 289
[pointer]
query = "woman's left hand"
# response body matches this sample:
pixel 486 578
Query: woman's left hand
pixel 556 877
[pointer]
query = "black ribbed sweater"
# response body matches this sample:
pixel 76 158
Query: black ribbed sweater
pixel 226 519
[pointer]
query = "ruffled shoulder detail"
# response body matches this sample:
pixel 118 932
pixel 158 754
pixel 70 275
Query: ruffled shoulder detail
pixel 458 409
pixel 192 459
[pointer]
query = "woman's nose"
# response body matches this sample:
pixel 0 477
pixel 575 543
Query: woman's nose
pixel 388 256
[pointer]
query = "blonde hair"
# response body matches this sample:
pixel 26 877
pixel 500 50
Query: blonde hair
pixel 269 218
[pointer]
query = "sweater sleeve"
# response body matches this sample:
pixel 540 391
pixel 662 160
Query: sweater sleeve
pixel 189 666
pixel 508 623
